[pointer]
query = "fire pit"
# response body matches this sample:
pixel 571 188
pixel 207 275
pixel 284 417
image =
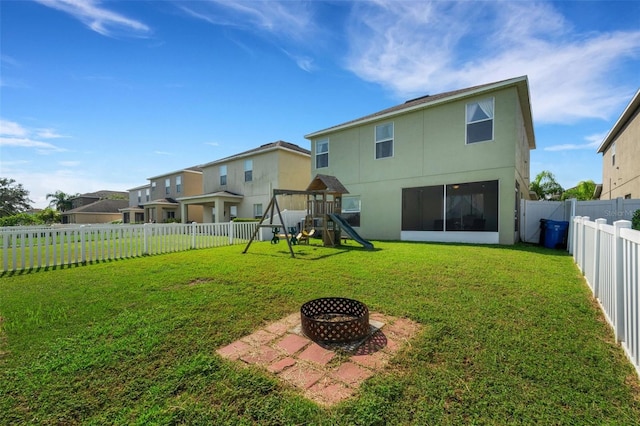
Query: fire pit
pixel 335 320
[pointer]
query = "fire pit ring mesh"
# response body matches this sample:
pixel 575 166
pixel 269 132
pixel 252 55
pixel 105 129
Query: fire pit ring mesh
pixel 335 319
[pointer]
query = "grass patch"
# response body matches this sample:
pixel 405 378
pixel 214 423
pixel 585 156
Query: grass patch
pixel 510 336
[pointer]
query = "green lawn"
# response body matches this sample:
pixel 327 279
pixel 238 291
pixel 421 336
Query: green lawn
pixel 510 335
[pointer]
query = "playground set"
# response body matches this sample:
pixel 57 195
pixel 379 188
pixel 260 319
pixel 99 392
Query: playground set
pixel 323 209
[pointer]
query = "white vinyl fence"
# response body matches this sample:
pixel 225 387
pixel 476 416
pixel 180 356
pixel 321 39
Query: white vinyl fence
pixel 24 248
pixel 609 258
pixel 532 211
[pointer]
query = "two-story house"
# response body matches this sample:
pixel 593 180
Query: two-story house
pixel 621 155
pixel 134 213
pixel 451 167
pixel 242 185
pixel 95 207
pixel 166 189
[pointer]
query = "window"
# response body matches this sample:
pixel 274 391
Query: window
pixel 171 215
pixel 233 212
pixel 167 186
pixel 223 175
pixel 139 197
pixel 613 154
pixel 480 121
pixel 147 196
pixel 471 207
pixel 178 184
pixel 351 210
pixel 322 153
pixel 384 140
pixel 153 186
pixel 257 211
pixel 248 171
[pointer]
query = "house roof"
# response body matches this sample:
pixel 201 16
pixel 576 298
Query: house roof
pixel 327 183
pixel 288 146
pixel 423 102
pixel 170 201
pixel 193 169
pixel 629 112
pixel 101 206
pixel 103 194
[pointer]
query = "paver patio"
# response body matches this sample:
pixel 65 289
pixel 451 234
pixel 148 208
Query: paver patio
pixel 318 371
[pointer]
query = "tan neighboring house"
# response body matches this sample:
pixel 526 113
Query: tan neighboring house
pixel 242 185
pixel 621 155
pixel 451 167
pixel 134 212
pixel 96 207
pixel 166 189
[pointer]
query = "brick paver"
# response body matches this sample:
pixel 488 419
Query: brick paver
pixel 352 374
pixel 318 354
pixel 283 350
pixel 292 343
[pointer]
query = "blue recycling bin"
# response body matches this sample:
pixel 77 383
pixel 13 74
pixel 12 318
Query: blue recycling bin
pixel 555 234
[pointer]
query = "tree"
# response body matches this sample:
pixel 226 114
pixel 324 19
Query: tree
pixel 14 198
pixel 584 191
pixel 61 200
pixel 545 186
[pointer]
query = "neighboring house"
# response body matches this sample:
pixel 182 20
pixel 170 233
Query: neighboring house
pixel 134 213
pixel 165 189
pixel 448 167
pixel 242 185
pixel 96 207
pixel 621 155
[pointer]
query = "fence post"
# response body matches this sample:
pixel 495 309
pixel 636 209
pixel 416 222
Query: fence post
pixel 232 229
pixel 146 229
pixel 583 244
pixel 618 278
pixel 83 245
pixel 596 256
pixel 193 235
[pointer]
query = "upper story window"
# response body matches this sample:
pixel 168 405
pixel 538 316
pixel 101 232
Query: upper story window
pixel 480 121
pixel 384 140
pixel 167 186
pixel 178 184
pixel 248 170
pixel 146 195
pixel 322 153
pixel 139 197
pixel 223 175
pixel 613 154
pixel 153 186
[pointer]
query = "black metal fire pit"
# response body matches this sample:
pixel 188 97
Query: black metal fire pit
pixel 335 320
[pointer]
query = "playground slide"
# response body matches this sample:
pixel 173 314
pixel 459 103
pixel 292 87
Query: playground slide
pixel 349 230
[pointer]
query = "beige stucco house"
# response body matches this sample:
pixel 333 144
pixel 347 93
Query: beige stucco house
pixel 96 207
pixel 621 155
pixel 134 212
pixel 166 189
pixel 242 185
pixel 451 167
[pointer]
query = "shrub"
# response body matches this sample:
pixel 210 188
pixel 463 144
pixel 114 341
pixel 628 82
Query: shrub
pixel 635 220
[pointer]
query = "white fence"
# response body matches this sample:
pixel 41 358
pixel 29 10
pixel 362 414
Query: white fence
pixel 609 258
pixel 532 211
pixel 24 248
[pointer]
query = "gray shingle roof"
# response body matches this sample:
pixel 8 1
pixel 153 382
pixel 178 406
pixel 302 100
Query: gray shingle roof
pixel 266 147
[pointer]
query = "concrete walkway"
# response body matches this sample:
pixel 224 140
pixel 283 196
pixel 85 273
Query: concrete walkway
pixel 323 375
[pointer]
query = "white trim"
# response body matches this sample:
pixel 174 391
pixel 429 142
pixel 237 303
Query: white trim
pixel 451 237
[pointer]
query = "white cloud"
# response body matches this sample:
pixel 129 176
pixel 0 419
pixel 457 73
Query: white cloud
pixel 162 153
pixel 593 142
pixel 11 128
pixel 15 135
pixel 415 48
pixel 285 19
pixel 212 143
pixel 97 18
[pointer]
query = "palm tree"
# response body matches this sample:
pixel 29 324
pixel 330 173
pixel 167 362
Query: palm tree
pixel 61 200
pixel 545 186
pixel 583 191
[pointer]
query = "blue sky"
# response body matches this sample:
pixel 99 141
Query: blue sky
pixel 105 94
